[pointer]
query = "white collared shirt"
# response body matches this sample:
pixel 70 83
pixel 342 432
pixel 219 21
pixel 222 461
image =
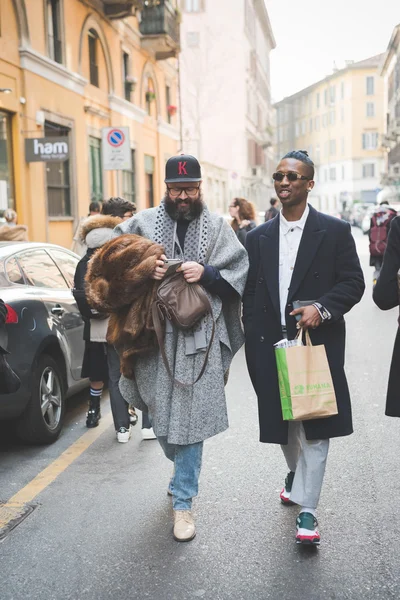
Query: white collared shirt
pixel 290 234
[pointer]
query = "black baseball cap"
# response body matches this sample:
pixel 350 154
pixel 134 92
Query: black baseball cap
pixel 184 167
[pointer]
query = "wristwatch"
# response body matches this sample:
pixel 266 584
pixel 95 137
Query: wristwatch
pixel 323 312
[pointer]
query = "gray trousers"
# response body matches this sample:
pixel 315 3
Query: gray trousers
pixel 307 459
pixel 119 407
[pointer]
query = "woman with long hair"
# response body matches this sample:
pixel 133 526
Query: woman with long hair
pixel 243 215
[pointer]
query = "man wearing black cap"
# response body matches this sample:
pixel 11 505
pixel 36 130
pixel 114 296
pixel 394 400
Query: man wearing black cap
pixel 184 416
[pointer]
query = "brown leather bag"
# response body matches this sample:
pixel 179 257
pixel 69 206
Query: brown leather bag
pixel 183 304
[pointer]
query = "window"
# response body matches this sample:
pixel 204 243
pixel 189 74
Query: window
pixel 317 123
pixel 324 120
pixel 311 125
pixel 13 271
pixel 332 117
pixel 368 170
pixel 194 5
pixel 342 145
pixel 96 174
pixel 193 39
pixel 342 114
pixel 332 147
pixel 297 129
pixel 129 181
pixel 149 171
pixel 54 44
pixel 125 74
pixel 6 163
pixel 370 84
pixel 317 98
pixel 370 109
pixel 58 177
pixel 343 172
pixel 168 102
pixel 40 270
pixel 342 90
pixel 67 265
pixel 370 140
pixel 332 94
pixel 332 173
pixel 93 49
pixel 150 95
pixel 303 128
pixel 325 97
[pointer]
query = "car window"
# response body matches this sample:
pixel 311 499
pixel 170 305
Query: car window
pixel 66 263
pixel 14 272
pixel 40 270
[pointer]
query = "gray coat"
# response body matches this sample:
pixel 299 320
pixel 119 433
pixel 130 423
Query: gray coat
pixel 186 415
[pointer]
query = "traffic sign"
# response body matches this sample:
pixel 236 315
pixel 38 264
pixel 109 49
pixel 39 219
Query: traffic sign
pixel 116 149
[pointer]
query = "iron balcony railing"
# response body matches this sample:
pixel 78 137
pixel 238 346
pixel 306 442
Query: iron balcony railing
pixel 160 19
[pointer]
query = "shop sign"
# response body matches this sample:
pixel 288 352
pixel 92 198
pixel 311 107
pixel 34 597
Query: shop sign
pixel 46 149
pixel 116 149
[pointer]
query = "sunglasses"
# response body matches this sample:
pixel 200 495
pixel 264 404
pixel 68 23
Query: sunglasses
pixel 291 176
pixel 175 192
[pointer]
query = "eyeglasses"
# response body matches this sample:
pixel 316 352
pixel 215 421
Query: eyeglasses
pixel 175 192
pixel 291 176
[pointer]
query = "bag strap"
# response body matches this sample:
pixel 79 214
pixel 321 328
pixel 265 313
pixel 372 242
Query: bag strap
pixel 160 338
pixel 299 337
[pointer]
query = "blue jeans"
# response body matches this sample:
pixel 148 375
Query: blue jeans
pixel 184 484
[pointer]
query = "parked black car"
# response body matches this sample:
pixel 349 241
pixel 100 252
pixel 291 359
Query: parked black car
pixel 45 336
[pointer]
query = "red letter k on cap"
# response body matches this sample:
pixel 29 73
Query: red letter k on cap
pixel 182 169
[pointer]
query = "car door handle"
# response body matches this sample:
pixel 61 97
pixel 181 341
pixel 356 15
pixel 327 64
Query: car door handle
pixel 57 310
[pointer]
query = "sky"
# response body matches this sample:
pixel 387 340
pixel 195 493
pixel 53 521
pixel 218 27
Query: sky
pixel 313 35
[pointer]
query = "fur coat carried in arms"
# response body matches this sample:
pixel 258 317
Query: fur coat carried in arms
pixel 190 414
pixel 119 283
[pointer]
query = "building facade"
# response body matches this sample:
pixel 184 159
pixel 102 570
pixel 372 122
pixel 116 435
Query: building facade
pixel 391 73
pixel 225 97
pixel 340 122
pixel 68 70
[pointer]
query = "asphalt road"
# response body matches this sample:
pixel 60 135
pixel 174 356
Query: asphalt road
pixel 102 528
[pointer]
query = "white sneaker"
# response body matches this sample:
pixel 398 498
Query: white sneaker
pixel 148 433
pixel 124 434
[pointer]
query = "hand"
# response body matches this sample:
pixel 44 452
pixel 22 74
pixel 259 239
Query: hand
pixel 192 271
pixel 244 224
pixel 160 269
pixel 310 317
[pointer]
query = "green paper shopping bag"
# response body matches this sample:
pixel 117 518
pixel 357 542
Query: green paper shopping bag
pixel 305 381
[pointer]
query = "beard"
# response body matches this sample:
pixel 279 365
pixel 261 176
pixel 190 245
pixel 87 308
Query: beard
pixel 185 213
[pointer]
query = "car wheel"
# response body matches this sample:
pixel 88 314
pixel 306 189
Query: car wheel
pixel 43 418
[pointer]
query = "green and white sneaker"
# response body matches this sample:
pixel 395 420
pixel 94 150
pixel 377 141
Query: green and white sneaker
pixel 287 488
pixel 307 529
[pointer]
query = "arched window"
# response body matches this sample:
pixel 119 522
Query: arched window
pixel 150 96
pixel 93 40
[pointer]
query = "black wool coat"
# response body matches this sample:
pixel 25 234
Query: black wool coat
pixel 386 296
pixel 328 271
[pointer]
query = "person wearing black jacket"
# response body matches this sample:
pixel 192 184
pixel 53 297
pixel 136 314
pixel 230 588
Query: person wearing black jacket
pixel 386 296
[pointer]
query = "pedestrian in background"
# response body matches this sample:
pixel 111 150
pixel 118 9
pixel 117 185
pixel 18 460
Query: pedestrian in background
pixel 300 255
pixel 386 296
pixel 78 246
pixel 10 231
pixel 100 361
pixel 183 416
pixel 381 220
pixel 124 209
pixel 272 211
pixel 243 218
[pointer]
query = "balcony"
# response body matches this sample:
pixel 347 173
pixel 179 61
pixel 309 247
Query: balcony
pixel 116 9
pixel 160 29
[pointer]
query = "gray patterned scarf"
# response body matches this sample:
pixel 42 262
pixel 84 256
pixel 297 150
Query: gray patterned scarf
pixel 195 249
